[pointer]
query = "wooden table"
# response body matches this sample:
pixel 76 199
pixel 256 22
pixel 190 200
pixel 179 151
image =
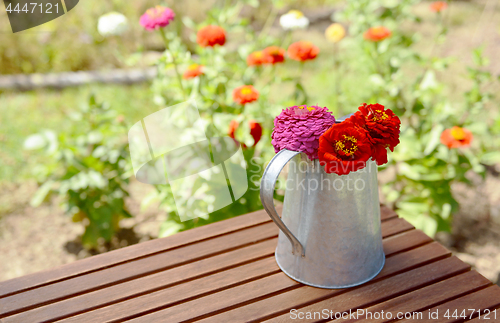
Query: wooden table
pixel 226 272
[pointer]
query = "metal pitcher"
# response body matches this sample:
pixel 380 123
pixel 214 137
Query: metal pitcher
pixel 330 233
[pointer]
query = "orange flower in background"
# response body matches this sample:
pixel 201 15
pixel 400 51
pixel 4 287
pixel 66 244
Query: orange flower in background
pixel 256 58
pixel 377 34
pixel 210 36
pixel 274 54
pixel 456 137
pixel 438 6
pixel 302 51
pixel 233 125
pixel 192 71
pixel 245 94
pixel 255 131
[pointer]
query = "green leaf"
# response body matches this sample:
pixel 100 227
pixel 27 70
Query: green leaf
pixel 434 139
pixel 169 228
pixel 35 141
pixel 490 158
pixel 41 193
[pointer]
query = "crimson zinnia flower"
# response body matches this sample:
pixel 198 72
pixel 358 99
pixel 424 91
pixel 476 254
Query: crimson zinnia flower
pixel 274 54
pixel 302 51
pixel 245 94
pixel 438 6
pixel 456 137
pixel 344 148
pixel 377 34
pixel 192 71
pixel 382 127
pixel 298 128
pixel 210 36
pixel 157 17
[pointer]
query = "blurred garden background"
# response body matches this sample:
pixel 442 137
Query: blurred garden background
pixel 67 189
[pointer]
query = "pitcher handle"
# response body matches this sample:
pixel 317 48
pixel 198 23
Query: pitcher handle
pixel 267 186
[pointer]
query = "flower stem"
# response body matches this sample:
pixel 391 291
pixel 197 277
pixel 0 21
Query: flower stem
pixel 336 72
pixel 165 40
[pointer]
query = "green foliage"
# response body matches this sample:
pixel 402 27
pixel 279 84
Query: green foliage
pixel 90 167
pixel 89 170
pixel 406 81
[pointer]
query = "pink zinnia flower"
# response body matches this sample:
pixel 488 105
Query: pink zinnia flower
pixel 157 17
pixel 298 128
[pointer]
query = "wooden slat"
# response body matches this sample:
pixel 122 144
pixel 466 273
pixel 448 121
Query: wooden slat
pixel 113 294
pixel 135 269
pixel 421 299
pixel 396 225
pixel 280 305
pixel 115 257
pixel 387 213
pixel 159 261
pixel 263 299
pixel 144 249
pixel 484 299
pixel 392 245
pixel 147 284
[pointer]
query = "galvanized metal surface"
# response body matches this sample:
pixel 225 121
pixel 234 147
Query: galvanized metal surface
pixel 330 233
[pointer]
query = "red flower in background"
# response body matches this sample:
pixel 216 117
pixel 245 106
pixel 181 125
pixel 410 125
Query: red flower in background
pixel 255 131
pixel 233 125
pixel 245 94
pixel 302 51
pixel 382 127
pixel 438 6
pixel 210 36
pixel 274 54
pixel 377 34
pixel 344 148
pixel 456 137
pixel 256 58
pixel 192 71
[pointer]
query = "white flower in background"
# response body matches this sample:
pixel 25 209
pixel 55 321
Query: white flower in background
pixel 112 24
pixel 294 19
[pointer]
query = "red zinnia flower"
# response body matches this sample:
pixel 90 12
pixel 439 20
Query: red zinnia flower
pixel 274 54
pixel 245 94
pixel 302 51
pixel 344 148
pixel 192 71
pixel 382 127
pixel 438 6
pixel 255 131
pixel 211 36
pixel 377 34
pixel 456 137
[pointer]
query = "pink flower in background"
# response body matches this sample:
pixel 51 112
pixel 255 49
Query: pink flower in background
pixel 157 17
pixel 298 128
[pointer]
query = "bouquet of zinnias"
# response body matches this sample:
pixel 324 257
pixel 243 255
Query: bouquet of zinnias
pixel 340 147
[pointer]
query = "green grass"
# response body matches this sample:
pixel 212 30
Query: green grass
pixel 23 114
